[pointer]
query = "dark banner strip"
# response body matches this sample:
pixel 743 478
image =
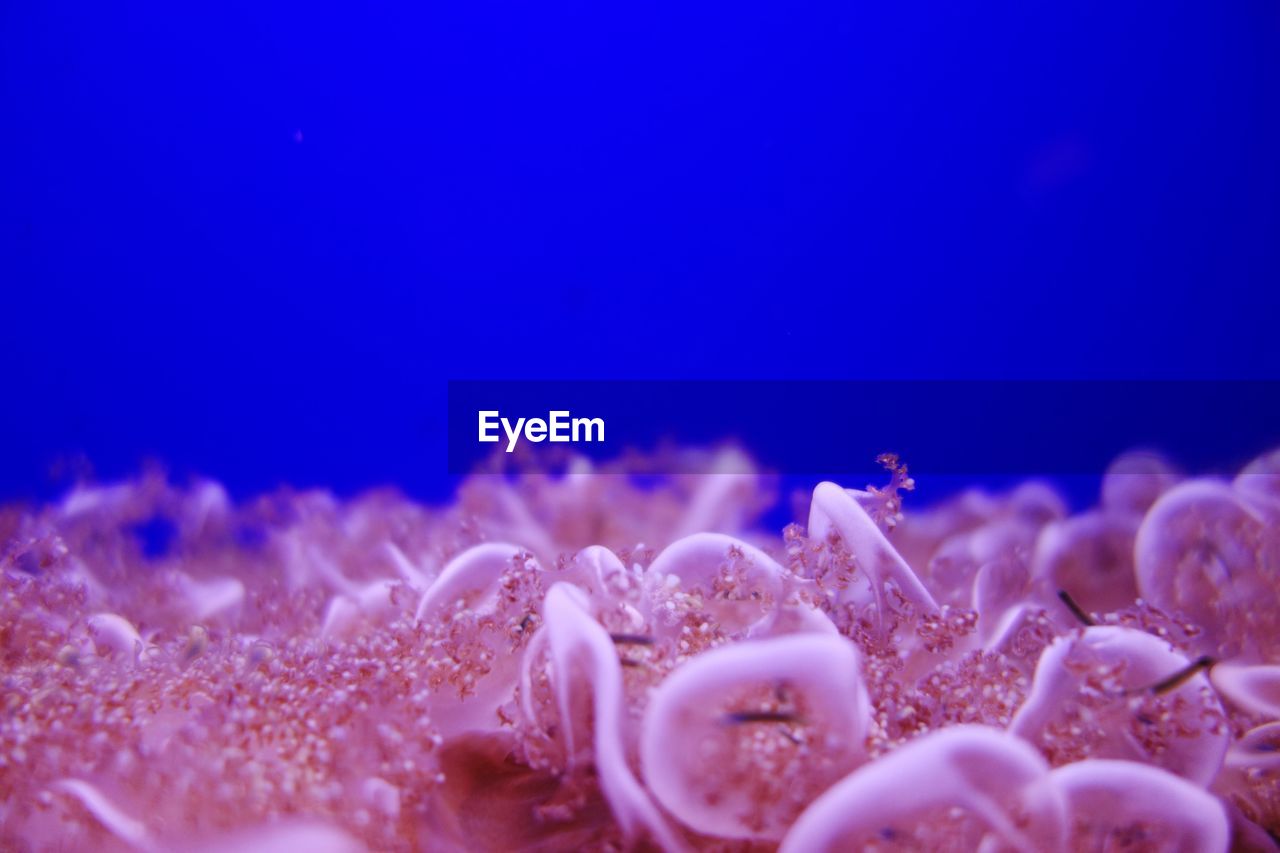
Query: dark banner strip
pixel 1017 428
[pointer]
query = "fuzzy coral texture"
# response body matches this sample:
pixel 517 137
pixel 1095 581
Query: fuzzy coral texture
pixel 582 662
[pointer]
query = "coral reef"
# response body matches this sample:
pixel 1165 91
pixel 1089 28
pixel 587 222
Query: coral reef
pixel 588 662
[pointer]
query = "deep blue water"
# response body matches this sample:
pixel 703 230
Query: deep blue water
pixel 255 242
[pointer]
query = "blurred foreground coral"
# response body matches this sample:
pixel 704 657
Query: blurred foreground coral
pixel 584 662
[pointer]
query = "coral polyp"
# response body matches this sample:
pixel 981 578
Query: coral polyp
pixel 584 662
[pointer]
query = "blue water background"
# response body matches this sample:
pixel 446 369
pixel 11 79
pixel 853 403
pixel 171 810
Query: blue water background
pixel 255 240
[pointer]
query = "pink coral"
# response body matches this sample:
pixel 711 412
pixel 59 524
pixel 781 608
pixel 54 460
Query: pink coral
pixel 577 662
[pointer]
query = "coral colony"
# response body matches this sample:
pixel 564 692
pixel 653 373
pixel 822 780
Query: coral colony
pixel 576 662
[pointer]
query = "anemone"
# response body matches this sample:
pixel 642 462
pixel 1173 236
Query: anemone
pixel 737 740
pixel 1106 692
pixel 1121 802
pixel 997 781
pixel 584 662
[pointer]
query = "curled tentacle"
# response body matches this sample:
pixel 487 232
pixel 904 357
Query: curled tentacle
pixel 998 781
pixel 1114 800
pixel 835 510
pixel 586 670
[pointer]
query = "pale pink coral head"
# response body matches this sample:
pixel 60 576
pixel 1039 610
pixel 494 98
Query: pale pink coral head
pixel 1203 551
pixel 1112 800
pixel 995 780
pixel 1259 482
pixel 738 740
pixel 1135 480
pixel 1094 696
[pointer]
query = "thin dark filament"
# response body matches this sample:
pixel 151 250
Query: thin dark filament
pixel 1179 678
pixel 632 639
pixel 739 717
pixel 1076 609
